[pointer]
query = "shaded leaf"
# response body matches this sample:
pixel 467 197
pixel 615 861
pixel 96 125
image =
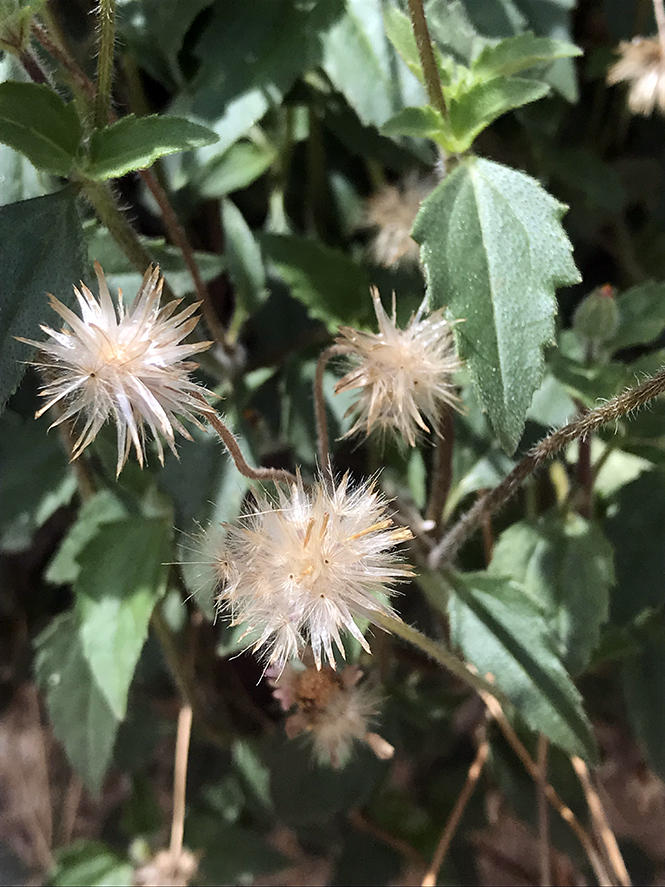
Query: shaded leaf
pixel 123 572
pixel 237 168
pixel 243 256
pixel 643 677
pixel 494 251
pixel 503 631
pixel 641 315
pixel 35 121
pixel 566 565
pixel 423 123
pixel 136 142
pixel 81 717
pixel 518 53
pixel 90 864
pixel 41 250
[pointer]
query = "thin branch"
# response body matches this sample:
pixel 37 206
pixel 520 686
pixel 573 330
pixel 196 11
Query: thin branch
pixel 534 771
pixel 472 778
pixel 322 437
pixel 32 66
pixel 543 815
pixel 442 473
pixel 426 53
pixel 105 53
pixel 603 829
pixel 611 411
pixel 276 475
pixel 180 780
pixel 360 821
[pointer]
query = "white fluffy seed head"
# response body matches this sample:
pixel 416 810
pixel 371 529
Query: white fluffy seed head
pixel 299 570
pixel 125 364
pixel 642 66
pixel 334 709
pixel 404 377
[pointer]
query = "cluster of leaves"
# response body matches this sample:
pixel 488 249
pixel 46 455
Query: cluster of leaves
pixel 273 122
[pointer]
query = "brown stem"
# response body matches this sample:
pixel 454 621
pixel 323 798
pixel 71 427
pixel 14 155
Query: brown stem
pixel 180 780
pixel 32 67
pixel 426 53
pixel 322 437
pixel 603 830
pixel 535 772
pixel 276 475
pixel 60 55
pixel 472 778
pixel 543 817
pixel 442 473
pixel 579 428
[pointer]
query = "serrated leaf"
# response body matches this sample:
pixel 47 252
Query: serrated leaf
pixel 123 571
pixel 90 864
pixel 35 121
pixel 102 508
pixel 566 565
pixel 136 142
pixel 332 286
pixel 423 123
pixel 363 65
pixel 400 33
pixel 502 631
pixel 518 53
pixel 475 109
pixel 641 315
pixel 494 251
pixel 81 717
pixel 41 250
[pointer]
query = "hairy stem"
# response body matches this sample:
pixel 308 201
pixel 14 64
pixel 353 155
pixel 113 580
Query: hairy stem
pixel 106 206
pixel 611 411
pixel 54 49
pixel 276 475
pixel 180 779
pixel 106 24
pixel 426 53
pixel 322 437
pixel 32 66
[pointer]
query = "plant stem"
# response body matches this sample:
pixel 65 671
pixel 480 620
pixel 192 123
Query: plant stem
pixel 442 473
pixel 472 778
pixel 536 774
pixel 543 815
pixel 659 12
pixel 32 66
pixel 322 437
pixel 106 24
pixel 60 55
pixel 426 53
pixel 276 475
pixel 579 428
pixel 180 780
pixel 605 833
pixel 101 197
pixel 433 650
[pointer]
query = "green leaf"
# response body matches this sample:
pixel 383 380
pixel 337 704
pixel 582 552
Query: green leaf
pixel 636 527
pixel 364 67
pixel 41 250
pixel 518 53
pixel 502 631
pixel 400 33
pixel 494 252
pixel 423 123
pixel 244 259
pixel 35 121
pixel 90 864
pixel 566 565
pixel 102 508
pixel 123 574
pixel 643 678
pixel 237 168
pixel 136 142
pixel 474 110
pixel 79 712
pixel 641 315
pixel 332 286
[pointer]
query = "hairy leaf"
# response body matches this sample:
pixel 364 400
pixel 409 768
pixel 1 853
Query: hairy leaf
pixel 494 252
pixel 424 123
pixel 518 53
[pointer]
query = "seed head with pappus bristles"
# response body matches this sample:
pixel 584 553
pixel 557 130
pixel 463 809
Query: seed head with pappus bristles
pixel 404 377
pixel 642 66
pixel 128 364
pixel 299 570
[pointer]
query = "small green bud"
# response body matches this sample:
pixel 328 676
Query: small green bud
pixel 596 318
pixel 15 22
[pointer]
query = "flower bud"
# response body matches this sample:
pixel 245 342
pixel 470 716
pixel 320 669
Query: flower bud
pixel 596 318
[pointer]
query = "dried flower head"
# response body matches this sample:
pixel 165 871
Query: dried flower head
pixel 166 869
pixel 642 66
pixel 333 708
pixel 299 570
pixel 392 212
pixel 404 376
pixel 122 363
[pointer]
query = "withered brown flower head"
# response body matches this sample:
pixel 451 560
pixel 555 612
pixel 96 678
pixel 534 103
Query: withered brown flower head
pixel 642 66
pixel 392 212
